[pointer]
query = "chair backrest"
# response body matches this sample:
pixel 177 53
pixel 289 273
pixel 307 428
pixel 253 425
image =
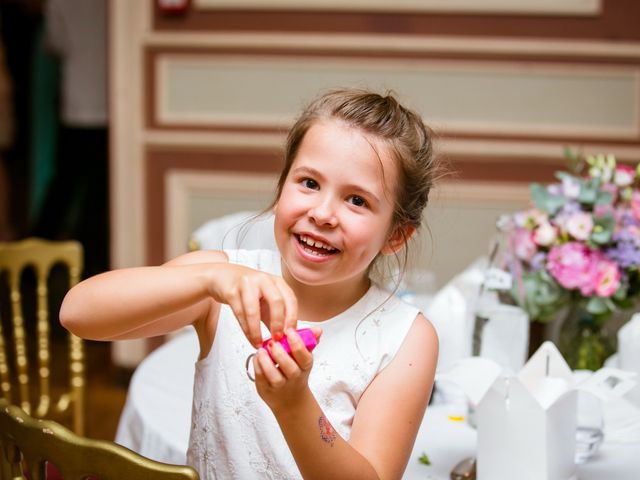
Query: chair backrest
pixel 15 370
pixel 28 443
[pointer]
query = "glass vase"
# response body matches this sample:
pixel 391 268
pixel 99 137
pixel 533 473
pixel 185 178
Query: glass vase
pixel 584 341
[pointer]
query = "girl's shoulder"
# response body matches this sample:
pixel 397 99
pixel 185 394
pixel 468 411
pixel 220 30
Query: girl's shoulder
pixel 389 302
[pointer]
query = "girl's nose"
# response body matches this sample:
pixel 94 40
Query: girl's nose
pixel 324 213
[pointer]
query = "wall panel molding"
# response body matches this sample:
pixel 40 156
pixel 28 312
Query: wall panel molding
pixel 462 97
pixel 406 45
pixel 163 161
pixel 225 192
pixel 609 20
pixel 517 153
pixel 518 7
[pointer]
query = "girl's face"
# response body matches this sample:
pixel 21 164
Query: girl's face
pixel 335 211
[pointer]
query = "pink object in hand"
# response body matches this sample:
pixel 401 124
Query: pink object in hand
pixel 306 335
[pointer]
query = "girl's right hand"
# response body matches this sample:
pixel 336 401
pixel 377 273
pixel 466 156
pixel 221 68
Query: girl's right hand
pixel 255 297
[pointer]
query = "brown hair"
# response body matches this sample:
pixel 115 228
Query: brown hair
pixel 400 129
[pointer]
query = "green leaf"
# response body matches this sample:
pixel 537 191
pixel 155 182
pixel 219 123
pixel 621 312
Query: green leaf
pixel 603 229
pixel 543 297
pixel 424 459
pixel 589 191
pixel 604 198
pixel 544 200
pixel 621 292
pixel 598 305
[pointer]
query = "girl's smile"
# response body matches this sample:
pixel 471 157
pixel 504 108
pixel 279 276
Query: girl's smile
pixel 315 248
pixel 335 211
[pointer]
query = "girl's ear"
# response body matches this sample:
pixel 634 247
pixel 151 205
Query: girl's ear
pixel 398 239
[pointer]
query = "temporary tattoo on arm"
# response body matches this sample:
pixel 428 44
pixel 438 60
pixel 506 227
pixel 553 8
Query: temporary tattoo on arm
pixel 327 432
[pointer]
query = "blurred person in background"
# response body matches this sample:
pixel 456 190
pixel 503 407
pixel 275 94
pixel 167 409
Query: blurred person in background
pixel 76 203
pixel 6 138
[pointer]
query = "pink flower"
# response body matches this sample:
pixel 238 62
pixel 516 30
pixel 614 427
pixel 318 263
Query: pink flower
pixel 607 278
pixel 624 175
pixel 571 265
pixel 545 234
pixel 602 210
pixel 579 225
pixel 524 247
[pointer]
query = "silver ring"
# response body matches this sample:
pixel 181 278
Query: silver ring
pixel 246 367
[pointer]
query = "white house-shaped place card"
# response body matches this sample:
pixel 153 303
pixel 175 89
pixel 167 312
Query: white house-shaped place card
pixel 526 422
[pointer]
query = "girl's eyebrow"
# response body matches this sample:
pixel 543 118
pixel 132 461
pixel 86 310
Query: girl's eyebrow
pixel 312 172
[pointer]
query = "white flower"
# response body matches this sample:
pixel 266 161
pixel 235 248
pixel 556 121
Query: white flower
pixel 624 176
pixel 579 225
pixel 545 234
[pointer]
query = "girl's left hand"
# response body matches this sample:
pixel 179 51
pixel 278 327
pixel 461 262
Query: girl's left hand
pixel 281 381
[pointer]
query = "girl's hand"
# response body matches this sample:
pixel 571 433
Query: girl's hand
pixel 282 385
pixel 255 297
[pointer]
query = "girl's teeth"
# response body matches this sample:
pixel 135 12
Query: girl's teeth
pixel 315 244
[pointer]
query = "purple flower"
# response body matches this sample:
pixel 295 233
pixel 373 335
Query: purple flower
pixel 538 261
pixel 570 187
pixel 571 208
pixel 626 251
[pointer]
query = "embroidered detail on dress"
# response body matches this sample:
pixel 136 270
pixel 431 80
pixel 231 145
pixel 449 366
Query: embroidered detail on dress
pixel 267 470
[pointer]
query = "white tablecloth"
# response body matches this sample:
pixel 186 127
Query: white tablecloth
pixel 157 414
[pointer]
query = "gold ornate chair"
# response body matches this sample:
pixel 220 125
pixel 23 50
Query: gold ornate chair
pixel 42 256
pixel 28 442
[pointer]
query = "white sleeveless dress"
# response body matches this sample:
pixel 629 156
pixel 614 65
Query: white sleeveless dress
pixel 234 434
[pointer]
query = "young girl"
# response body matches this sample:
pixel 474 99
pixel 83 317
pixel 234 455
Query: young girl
pixel 358 170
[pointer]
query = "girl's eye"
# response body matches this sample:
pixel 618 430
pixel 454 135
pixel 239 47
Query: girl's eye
pixel 309 183
pixel 358 201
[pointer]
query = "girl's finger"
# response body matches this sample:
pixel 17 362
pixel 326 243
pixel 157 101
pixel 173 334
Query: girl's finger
pixel 286 364
pixel 250 297
pixel 274 299
pixel 268 371
pixel 235 304
pixel 290 305
pixel 302 356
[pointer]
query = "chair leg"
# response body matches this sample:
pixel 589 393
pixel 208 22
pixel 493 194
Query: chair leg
pixel 12 463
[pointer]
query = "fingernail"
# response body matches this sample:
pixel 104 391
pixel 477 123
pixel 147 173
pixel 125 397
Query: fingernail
pixel 290 331
pixel 271 343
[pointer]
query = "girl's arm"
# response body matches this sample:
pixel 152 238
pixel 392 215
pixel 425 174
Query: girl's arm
pixel 387 418
pixel 141 302
pixel 149 301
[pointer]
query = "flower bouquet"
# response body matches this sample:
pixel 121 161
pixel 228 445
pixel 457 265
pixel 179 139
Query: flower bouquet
pixel 577 248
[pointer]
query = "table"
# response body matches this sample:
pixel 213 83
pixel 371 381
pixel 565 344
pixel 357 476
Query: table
pixel 156 417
